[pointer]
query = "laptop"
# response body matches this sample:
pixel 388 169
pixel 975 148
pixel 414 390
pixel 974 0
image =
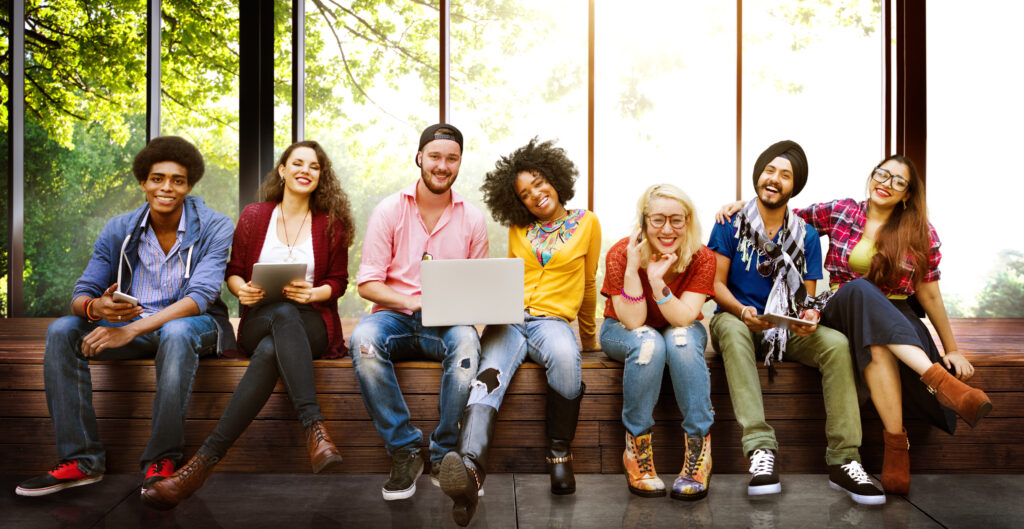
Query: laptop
pixel 471 291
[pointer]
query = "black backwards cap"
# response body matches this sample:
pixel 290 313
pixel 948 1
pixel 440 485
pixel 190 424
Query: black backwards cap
pixel 791 151
pixel 431 133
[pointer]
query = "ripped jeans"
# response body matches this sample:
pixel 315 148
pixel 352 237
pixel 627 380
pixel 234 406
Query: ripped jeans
pixel 386 337
pixel 547 340
pixel 644 352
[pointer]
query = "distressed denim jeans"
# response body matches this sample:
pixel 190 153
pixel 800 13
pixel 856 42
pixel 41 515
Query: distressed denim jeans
pixel 548 341
pixel 176 348
pixel 826 350
pixel 644 352
pixel 386 337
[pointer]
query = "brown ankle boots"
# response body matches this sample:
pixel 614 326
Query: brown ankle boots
pixel 322 452
pixel 969 403
pixel 896 463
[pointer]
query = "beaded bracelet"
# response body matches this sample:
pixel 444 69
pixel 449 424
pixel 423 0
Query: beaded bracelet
pixel 665 300
pixel 629 298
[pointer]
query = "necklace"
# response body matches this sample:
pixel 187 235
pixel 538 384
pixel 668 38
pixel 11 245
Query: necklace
pixel 288 241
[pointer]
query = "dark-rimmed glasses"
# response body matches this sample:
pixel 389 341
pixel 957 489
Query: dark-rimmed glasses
pixel 658 221
pixel 771 251
pixel 882 176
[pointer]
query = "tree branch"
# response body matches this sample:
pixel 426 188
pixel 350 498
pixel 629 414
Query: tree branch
pixel 323 11
pixel 49 98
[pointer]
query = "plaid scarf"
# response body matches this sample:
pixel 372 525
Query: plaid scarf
pixel 787 267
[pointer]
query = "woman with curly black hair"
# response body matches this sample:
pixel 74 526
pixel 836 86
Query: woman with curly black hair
pixel 561 248
pixel 305 218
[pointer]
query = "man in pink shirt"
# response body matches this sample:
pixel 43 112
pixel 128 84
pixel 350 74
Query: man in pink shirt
pixel 426 220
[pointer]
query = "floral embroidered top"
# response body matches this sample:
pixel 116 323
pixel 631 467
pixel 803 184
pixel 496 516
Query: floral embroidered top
pixel 843 221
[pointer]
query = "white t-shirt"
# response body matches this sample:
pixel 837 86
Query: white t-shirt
pixel 276 251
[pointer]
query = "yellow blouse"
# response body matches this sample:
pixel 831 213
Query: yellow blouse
pixel 860 261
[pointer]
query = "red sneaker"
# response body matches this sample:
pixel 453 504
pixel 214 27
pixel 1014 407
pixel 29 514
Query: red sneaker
pixel 158 470
pixel 66 474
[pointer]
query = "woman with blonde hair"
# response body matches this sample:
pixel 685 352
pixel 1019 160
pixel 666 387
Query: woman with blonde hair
pixel 656 281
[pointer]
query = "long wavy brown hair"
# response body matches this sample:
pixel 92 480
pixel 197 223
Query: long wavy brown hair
pixel 904 235
pixel 328 197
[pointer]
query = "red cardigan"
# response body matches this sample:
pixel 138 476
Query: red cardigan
pixel 330 265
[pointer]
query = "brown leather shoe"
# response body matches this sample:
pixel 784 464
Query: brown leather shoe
pixel 169 492
pixel 969 403
pixel 322 452
pixel 896 463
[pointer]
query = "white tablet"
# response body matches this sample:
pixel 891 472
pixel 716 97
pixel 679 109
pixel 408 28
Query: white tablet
pixel 272 277
pixel 784 321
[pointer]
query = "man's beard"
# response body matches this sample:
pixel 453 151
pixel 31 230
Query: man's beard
pixel 780 201
pixel 435 189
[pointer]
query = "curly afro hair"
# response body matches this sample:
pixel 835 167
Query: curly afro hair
pixel 499 187
pixel 169 149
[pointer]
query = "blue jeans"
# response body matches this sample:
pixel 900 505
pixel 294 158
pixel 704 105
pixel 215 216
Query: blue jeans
pixel 176 348
pixel 385 337
pixel 644 352
pixel 549 341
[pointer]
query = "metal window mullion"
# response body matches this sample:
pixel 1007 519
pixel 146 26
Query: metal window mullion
pixel 153 44
pixel 298 70
pixel 16 162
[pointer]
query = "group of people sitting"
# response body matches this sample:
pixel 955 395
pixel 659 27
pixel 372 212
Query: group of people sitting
pixel 760 266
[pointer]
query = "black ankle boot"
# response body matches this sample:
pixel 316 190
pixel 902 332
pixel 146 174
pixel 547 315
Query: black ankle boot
pixel 562 415
pixel 463 471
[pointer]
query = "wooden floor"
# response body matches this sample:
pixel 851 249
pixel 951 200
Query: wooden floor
pixel 123 394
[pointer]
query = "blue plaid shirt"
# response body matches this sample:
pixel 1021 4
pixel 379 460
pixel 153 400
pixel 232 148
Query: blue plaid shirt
pixel 158 280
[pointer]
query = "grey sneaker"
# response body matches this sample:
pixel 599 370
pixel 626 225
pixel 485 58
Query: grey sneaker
pixel 406 467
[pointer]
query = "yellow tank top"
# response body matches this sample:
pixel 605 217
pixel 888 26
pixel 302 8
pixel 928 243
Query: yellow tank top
pixel 860 262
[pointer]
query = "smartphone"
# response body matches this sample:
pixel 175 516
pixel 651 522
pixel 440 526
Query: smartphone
pixel 643 226
pixel 125 298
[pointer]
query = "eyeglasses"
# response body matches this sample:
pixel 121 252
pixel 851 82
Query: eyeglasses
pixel 882 176
pixel 658 221
pixel 772 251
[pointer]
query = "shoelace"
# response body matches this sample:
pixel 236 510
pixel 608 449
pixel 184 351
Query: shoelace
pixel 644 454
pixel 696 456
pixel 60 466
pixel 855 471
pixel 158 467
pixel 762 462
pixel 318 433
pixel 192 466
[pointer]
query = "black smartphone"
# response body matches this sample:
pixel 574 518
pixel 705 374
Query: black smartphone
pixel 643 226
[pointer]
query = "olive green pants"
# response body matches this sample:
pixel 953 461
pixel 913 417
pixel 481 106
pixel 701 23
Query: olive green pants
pixel 826 349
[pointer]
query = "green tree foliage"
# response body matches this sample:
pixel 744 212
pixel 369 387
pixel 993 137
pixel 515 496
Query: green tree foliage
pixel 85 105
pixel 1003 295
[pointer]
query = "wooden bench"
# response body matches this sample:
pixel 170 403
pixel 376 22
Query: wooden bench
pixel 123 394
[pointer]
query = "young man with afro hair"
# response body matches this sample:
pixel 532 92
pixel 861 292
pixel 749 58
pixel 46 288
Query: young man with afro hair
pixel 150 290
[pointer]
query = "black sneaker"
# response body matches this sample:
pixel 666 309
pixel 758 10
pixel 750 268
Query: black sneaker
pixel 64 475
pixel 764 477
pixel 853 480
pixel 435 474
pixel 406 467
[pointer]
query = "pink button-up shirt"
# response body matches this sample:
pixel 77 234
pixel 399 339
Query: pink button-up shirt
pixel 396 239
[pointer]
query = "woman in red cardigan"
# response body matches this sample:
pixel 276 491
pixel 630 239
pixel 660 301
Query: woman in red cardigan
pixel 312 224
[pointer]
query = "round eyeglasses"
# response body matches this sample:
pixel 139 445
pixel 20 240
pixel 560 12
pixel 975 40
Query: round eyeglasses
pixel 658 221
pixel 882 176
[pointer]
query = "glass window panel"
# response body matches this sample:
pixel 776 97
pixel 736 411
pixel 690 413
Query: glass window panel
pixel 199 85
pixel 664 107
pixel 812 73
pixel 85 120
pixel 974 110
pixel 519 70
pixel 371 88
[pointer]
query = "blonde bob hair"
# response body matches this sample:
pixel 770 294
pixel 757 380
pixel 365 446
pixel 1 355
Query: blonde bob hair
pixel 691 233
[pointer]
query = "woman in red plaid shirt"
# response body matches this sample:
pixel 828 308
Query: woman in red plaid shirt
pixel 883 262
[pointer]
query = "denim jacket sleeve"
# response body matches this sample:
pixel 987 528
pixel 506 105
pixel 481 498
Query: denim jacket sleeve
pixel 208 269
pixel 101 271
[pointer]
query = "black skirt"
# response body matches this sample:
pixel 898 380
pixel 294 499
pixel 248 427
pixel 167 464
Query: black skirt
pixel 862 312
